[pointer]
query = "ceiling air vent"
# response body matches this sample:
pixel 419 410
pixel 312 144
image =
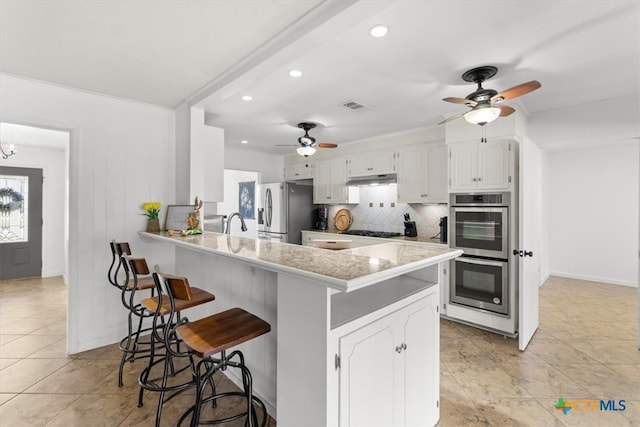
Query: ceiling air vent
pixel 355 106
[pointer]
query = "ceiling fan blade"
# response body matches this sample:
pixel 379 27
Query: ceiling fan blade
pixel 453 117
pixel 505 110
pixel 326 145
pixel 516 91
pixel 462 101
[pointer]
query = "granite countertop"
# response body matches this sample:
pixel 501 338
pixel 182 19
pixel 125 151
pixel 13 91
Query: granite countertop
pixel 344 270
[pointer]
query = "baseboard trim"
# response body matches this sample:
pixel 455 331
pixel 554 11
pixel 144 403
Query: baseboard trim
pixel 594 279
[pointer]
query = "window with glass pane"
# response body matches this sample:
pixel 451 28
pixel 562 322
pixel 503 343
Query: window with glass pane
pixel 14 197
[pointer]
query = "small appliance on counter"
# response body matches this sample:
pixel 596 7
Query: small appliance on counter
pixel 410 229
pixel 322 221
pixel 443 229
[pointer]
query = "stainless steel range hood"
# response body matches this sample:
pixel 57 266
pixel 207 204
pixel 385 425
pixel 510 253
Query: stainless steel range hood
pixel 389 178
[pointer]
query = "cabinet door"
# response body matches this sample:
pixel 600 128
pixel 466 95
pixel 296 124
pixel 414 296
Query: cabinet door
pixel 493 164
pixel 372 163
pixel 421 362
pixel 339 192
pixel 322 183
pixel 296 171
pixel 369 375
pixel 463 171
pixel 413 174
pixel 437 174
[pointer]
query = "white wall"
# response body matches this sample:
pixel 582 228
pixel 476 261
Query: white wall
pixel 269 166
pixel 231 204
pixel 588 166
pixel 53 165
pixel 593 214
pixel 121 154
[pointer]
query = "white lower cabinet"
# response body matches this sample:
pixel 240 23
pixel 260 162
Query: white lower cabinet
pixel 389 369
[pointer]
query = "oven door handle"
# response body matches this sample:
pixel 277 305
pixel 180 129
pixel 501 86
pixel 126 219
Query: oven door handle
pixel 479 209
pixel 480 261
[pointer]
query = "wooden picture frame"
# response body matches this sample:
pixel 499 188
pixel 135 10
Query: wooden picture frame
pixel 176 218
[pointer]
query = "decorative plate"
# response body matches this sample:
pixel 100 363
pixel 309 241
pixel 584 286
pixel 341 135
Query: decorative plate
pixel 343 219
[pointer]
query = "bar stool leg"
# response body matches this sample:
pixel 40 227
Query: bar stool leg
pixel 211 366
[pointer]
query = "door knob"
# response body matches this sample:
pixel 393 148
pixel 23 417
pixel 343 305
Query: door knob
pixel 523 254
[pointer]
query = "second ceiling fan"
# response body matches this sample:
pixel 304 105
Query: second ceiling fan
pixel 308 143
pixel 485 103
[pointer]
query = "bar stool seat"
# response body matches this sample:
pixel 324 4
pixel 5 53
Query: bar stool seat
pixel 221 331
pixel 214 335
pixel 143 283
pixel 198 296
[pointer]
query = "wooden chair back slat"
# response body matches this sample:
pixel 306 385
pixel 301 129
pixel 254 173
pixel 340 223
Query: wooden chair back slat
pixel 180 288
pixel 139 266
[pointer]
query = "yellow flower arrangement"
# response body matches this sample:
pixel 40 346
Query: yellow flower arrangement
pixel 152 209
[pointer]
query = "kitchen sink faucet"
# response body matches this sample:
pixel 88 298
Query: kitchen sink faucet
pixel 243 226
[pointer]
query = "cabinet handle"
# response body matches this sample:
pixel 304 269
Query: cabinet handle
pixel 369 169
pixel 401 347
pixel 479 179
pixel 474 179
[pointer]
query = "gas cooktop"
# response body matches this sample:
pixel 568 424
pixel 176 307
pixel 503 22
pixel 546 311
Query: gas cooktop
pixel 371 233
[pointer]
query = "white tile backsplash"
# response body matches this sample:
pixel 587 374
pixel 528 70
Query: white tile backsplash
pixel 370 215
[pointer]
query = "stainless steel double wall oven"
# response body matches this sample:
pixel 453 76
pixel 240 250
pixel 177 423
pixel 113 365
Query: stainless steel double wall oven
pixel 480 227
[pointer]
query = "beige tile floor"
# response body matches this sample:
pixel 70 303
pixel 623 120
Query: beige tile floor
pixel 585 348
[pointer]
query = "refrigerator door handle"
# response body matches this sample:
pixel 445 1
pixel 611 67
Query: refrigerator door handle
pixel 268 207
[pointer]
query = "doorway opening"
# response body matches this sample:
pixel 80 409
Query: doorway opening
pixel 41 160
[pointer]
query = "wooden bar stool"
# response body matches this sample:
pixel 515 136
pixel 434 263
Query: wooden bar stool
pixel 211 336
pixel 167 308
pixel 132 346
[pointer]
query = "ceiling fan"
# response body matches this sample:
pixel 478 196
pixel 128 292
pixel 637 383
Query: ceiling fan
pixel 308 143
pixel 485 103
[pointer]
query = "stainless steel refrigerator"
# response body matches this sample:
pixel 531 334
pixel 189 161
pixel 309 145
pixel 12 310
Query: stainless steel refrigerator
pixel 284 210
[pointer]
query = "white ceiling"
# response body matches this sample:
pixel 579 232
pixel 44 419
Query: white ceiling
pixel 209 54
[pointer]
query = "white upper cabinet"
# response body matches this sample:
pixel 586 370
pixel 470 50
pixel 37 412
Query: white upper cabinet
pixel 298 170
pixel 377 162
pixel 480 165
pixel 330 183
pixel 422 173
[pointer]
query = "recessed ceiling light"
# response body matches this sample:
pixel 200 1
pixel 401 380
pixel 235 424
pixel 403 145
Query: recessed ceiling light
pixel 379 31
pixel 247 98
pixel 244 141
pixel 295 73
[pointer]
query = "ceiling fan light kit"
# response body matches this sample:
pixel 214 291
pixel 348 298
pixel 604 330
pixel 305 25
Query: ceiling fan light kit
pixel 482 114
pixel 306 151
pixel 484 102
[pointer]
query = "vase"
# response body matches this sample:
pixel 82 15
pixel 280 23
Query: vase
pixel 153 225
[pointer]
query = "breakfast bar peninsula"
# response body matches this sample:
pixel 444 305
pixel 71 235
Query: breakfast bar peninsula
pixel 355 333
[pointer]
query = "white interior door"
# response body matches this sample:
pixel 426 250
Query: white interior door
pixel 529 232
